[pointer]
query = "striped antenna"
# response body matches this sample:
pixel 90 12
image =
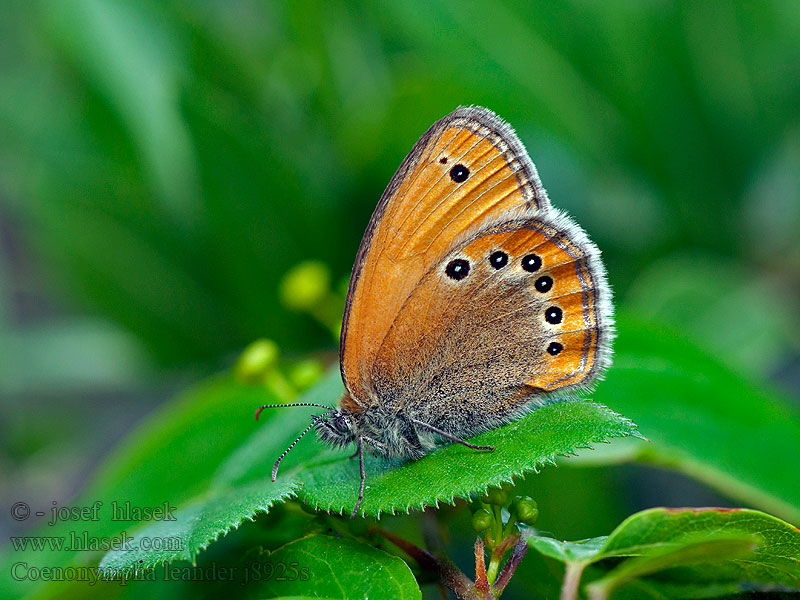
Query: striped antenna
pixel 300 437
pixel 260 408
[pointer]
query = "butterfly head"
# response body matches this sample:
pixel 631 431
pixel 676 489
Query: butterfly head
pixel 336 428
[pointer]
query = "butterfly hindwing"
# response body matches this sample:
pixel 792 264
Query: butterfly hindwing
pixel 528 312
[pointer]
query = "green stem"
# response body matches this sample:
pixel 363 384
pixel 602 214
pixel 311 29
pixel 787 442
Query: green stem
pixel 511 526
pixel 572 580
pixel 494 566
pixel 498 521
pixel 495 557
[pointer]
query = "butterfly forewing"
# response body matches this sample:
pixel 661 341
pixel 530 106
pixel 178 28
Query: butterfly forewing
pixel 469 167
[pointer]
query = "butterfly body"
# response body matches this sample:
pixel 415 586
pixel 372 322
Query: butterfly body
pixel 471 299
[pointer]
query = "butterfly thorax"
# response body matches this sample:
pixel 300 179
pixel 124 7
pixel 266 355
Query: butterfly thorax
pixel 383 431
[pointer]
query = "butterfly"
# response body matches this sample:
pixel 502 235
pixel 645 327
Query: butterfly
pixel 471 299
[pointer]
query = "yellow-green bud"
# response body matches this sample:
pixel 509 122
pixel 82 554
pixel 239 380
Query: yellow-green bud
pixel 305 373
pixel 305 286
pixel 526 510
pixel 257 360
pixel 482 520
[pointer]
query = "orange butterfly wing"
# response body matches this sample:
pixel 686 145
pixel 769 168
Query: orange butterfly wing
pixel 422 211
pixel 486 343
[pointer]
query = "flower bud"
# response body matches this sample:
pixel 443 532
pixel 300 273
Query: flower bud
pixel 305 286
pixel 526 510
pixel 256 361
pixel 481 520
pixel 305 373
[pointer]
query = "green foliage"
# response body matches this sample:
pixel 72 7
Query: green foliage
pixel 218 147
pixel 705 419
pixel 454 471
pixel 727 550
pixel 197 525
pixel 339 568
pixel 329 481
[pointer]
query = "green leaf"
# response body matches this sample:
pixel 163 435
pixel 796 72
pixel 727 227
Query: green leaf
pixel 188 438
pixel 455 471
pixel 713 549
pixel 581 551
pixel 704 419
pixel 171 457
pixel 730 548
pixel 330 480
pixel 195 526
pixel 236 488
pixel 334 568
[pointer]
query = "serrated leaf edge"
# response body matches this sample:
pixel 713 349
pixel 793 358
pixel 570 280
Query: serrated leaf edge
pixel 108 573
pixel 465 492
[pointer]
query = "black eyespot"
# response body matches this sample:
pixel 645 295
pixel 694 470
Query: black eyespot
pixel 443 160
pixel 498 259
pixel 531 263
pixel 457 269
pixel 554 348
pixel 459 173
pixel 553 315
pixel 543 284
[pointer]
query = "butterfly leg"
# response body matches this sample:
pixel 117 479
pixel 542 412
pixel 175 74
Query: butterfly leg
pixel 446 435
pixel 360 452
pixel 380 447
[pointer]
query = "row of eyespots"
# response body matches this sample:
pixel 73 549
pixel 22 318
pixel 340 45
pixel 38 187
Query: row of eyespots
pixel 530 263
pixel 459 268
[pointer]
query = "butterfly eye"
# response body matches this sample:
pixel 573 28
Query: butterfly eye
pixel 543 284
pixel 457 269
pixel 459 173
pixel 531 263
pixel 554 348
pixel 498 259
pixel 340 424
pixel 553 315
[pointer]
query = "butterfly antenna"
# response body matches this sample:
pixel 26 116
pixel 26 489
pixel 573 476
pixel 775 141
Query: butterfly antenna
pixel 260 408
pixel 314 421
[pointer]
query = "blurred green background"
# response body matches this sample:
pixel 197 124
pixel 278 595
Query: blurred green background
pixel 163 165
